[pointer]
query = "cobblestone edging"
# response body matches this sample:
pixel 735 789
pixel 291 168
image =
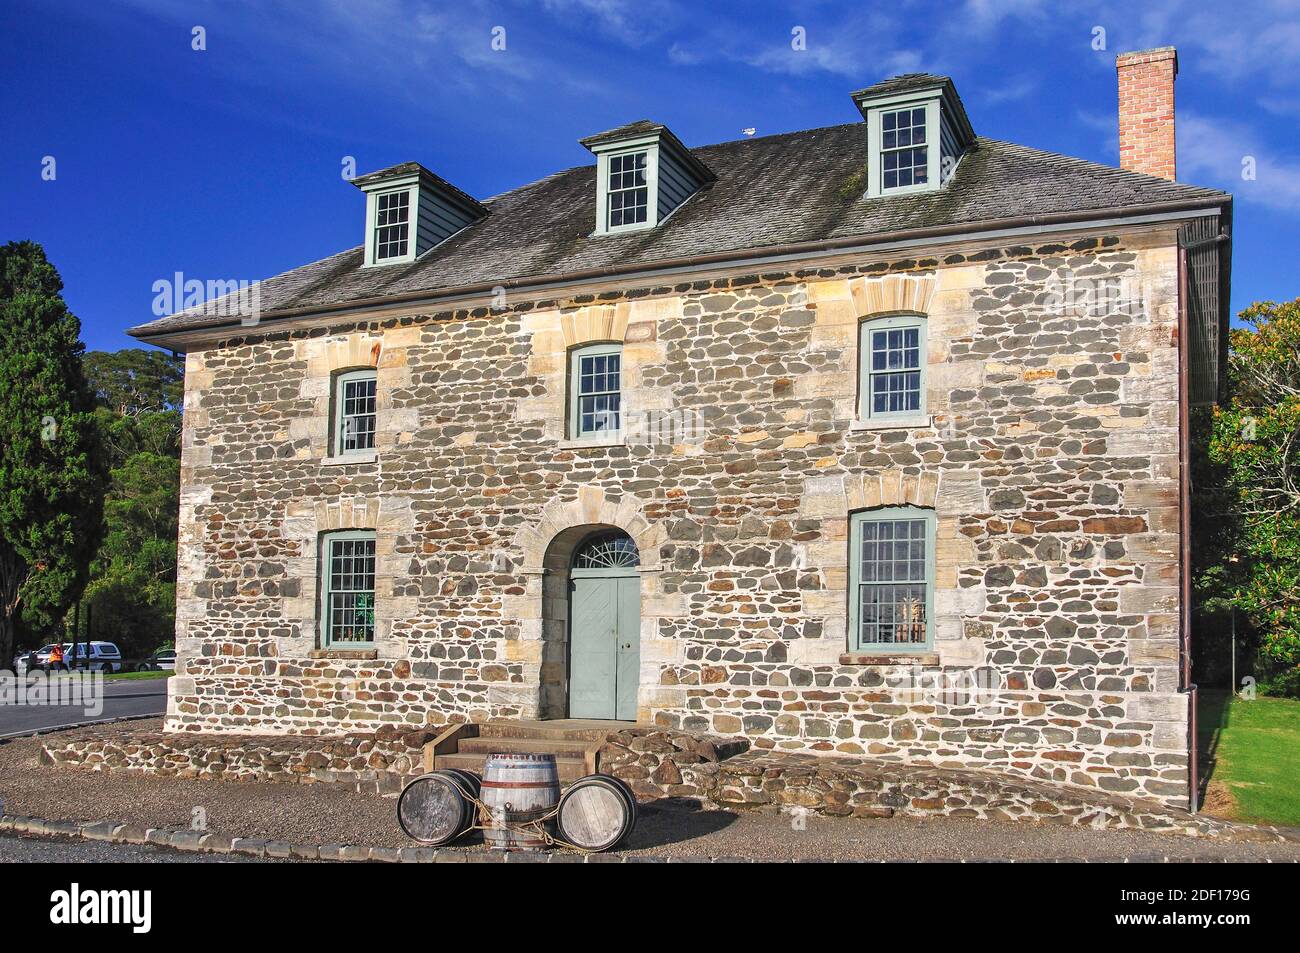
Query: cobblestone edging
pixel 661 764
pixel 121 833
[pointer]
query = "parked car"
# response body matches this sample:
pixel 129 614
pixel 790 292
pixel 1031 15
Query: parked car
pixel 164 660
pixel 35 659
pixel 104 656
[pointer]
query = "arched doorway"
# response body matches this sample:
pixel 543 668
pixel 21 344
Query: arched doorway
pixel 604 627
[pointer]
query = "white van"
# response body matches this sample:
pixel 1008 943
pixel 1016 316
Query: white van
pixel 104 656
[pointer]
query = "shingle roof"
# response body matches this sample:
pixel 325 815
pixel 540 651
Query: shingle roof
pixel 437 181
pixel 641 127
pixel 901 84
pixel 799 187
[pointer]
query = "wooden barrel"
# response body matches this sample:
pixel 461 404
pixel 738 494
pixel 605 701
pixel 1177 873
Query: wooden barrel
pixel 435 809
pixel 518 788
pixel 596 813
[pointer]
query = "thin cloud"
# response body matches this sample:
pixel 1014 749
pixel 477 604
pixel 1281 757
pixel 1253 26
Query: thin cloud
pixel 632 22
pixel 1226 153
pixel 1011 91
pixel 807 48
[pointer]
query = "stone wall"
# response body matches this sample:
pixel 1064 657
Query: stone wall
pixel 380 761
pixel 1049 455
pixel 717 772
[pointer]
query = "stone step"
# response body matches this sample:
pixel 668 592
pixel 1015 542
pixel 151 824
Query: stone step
pixel 568 729
pixel 569 769
pixel 559 748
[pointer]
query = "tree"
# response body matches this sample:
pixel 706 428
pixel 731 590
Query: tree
pixel 1254 483
pixel 52 474
pixel 135 381
pixel 139 395
pixel 132 592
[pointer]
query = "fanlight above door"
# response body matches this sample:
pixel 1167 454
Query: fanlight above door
pixel 612 550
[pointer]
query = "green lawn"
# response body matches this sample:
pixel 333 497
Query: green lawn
pixel 1252 751
pixel 116 676
pixel 119 676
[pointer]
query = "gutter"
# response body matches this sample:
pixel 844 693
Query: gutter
pixel 1025 224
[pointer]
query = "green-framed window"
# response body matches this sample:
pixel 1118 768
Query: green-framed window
pixel 347 562
pixel 627 190
pixel 892 360
pixel 891 580
pixel 596 391
pixel 354 412
pixel 392 224
pixel 904 149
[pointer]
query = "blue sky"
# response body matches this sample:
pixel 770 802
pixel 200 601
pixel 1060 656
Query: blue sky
pixel 226 163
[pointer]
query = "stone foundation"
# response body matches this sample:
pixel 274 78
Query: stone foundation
pixel 715 771
pixel 380 761
pixel 661 764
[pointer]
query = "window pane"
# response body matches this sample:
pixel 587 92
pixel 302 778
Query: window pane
pixel 892 588
pixel 350 602
pixel 904 156
pixel 356 399
pixel 599 403
pixel 893 382
pixel 628 191
pixel 392 223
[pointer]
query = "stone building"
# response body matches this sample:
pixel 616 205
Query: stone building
pixel 866 439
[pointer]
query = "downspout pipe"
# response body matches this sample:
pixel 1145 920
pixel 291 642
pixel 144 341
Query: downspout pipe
pixel 1185 524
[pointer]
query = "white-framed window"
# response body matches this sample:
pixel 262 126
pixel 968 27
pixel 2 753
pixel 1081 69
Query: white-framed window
pixel 347 568
pixel 354 412
pixel 892 358
pixel 596 391
pixel 891 580
pixel 904 148
pixel 627 193
pixel 392 225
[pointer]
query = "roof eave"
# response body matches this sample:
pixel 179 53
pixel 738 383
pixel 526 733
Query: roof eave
pixel 166 337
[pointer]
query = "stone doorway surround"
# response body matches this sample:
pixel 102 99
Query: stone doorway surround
pixel 546 547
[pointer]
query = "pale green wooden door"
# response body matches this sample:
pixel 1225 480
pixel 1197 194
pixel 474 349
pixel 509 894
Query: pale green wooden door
pixel 604 631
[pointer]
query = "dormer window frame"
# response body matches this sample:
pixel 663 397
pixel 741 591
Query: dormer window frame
pixel 648 145
pixel 876 148
pixel 373 201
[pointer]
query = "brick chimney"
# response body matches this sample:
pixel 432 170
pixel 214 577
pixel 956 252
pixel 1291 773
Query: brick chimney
pixel 1146 111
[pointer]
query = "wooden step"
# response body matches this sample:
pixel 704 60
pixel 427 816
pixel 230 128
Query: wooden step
pixel 568 729
pixel 561 749
pixel 569 769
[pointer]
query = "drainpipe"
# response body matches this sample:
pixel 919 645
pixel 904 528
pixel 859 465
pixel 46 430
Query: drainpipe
pixel 1185 529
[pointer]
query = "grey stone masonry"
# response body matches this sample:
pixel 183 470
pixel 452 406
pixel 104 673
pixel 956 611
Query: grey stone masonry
pixel 1048 454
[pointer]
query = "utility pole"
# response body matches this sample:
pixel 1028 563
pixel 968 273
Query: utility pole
pixel 90 618
pixel 1234 650
pixel 76 633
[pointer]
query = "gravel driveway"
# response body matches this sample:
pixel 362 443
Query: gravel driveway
pixel 320 813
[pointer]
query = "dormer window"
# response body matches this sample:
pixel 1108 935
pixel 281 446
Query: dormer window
pixel 917 132
pixel 627 191
pixel 392 224
pixel 643 175
pixel 410 211
pixel 903 152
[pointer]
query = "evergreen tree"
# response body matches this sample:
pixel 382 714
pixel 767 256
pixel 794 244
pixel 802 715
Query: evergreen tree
pixel 52 473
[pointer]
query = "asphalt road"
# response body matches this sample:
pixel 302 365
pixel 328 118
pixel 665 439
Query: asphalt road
pixel 119 699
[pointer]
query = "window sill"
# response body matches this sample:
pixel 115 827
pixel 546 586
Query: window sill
pixel 592 443
pixel 892 423
pixel 348 459
pixel 898 658
pixel 360 655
